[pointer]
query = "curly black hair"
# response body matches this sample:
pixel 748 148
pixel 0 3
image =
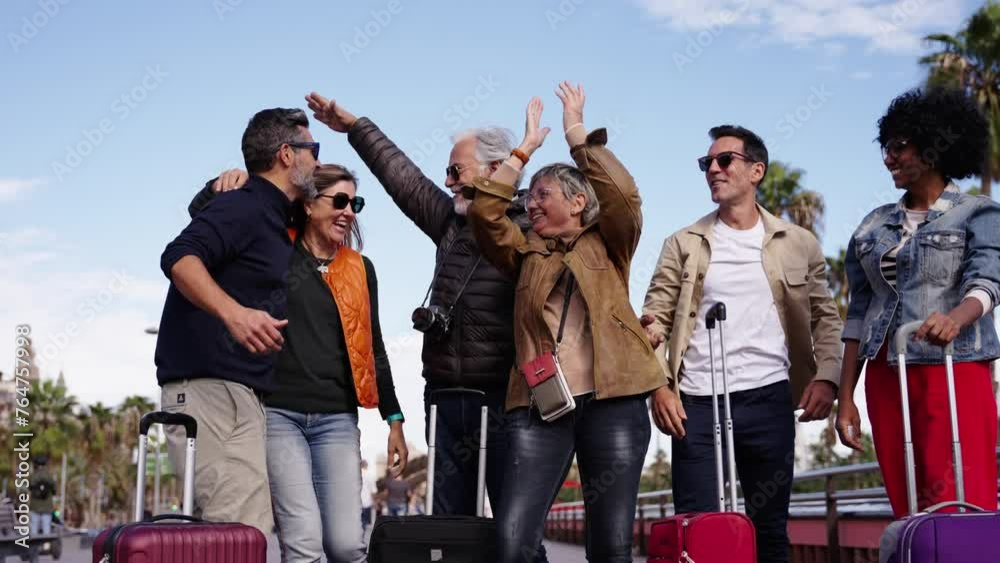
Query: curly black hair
pixel 945 125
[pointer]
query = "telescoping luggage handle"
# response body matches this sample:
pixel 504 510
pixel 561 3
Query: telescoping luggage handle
pixel 432 449
pixel 191 429
pixel 717 314
pixel 903 336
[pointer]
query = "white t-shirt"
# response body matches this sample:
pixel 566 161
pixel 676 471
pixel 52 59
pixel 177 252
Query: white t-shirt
pixel 756 348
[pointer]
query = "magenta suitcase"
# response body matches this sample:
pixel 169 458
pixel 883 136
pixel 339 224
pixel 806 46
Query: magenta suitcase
pixel 709 537
pixel 188 541
pixel 931 536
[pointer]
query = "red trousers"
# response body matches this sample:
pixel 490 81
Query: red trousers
pixel 931 431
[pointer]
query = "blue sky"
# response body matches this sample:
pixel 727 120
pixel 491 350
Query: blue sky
pixel 116 112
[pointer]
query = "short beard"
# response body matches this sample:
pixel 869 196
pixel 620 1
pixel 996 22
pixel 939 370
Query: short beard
pixel 462 205
pixel 304 180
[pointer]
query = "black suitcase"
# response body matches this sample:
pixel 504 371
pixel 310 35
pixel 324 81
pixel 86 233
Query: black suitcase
pixel 429 538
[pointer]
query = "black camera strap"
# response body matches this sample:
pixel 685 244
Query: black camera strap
pixel 468 278
pixel 437 272
pixel 570 285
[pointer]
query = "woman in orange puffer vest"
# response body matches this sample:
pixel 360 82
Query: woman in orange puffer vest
pixel 333 362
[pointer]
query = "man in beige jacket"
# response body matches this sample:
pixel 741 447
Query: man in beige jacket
pixel 783 339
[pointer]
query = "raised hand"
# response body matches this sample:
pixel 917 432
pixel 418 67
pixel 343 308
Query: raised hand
pixel 573 99
pixel 327 111
pixel 534 134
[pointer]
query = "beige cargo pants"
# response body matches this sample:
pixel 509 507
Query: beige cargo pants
pixel 230 466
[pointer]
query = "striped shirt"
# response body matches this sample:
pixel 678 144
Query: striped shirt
pixel 913 221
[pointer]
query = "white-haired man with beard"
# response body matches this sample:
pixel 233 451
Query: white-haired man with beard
pixel 468 324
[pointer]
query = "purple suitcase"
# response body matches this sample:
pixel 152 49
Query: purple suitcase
pixel 189 541
pixel 931 536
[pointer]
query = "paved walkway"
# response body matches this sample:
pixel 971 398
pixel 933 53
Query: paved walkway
pixel 558 553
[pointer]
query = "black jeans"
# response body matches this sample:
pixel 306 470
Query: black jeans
pixel 764 432
pixel 610 438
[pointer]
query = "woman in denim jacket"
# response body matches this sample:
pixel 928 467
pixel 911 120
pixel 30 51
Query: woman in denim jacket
pixel 933 256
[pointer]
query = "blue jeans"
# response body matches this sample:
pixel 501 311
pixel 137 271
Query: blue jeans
pixel 764 432
pixel 314 466
pixel 610 438
pixel 41 523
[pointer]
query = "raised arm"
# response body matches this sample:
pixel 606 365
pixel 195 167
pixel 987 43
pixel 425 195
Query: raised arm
pixel 620 219
pixel 498 237
pixel 416 195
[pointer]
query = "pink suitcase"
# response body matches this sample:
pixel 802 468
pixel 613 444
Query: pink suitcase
pixel 709 537
pixel 189 541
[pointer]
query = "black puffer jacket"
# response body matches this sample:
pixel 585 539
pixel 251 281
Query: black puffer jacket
pixel 478 352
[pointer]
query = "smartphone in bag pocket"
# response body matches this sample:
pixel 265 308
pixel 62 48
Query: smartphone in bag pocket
pixel 548 386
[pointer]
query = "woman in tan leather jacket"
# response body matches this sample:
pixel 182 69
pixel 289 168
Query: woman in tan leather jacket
pixel 585 222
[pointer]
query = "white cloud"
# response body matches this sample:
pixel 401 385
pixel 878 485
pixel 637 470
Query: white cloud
pixel 14 188
pixel 86 322
pixel 895 27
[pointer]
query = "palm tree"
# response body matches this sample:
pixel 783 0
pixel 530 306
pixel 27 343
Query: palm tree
pixel 53 418
pixel 970 60
pixel 838 281
pixel 782 194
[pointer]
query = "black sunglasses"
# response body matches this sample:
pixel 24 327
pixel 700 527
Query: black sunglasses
pixel 314 147
pixel 894 148
pixel 340 201
pixel 453 171
pixel 724 158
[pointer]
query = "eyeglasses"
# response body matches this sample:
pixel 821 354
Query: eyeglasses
pixel 454 171
pixel 539 195
pixel 724 158
pixel 314 147
pixel 894 148
pixel 340 201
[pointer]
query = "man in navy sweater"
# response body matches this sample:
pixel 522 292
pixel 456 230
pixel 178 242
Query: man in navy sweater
pixel 222 320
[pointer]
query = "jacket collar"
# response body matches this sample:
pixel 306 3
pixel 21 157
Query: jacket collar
pixel 547 245
pixel 772 224
pixel 948 199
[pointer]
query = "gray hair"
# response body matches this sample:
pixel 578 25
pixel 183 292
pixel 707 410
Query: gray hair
pixel 572 182
pixel 493 144
pixel 266 132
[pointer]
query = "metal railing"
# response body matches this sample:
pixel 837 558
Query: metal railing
pixel 563 517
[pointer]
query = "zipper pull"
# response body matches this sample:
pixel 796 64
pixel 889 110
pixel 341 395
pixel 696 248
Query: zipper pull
pixel 685 558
